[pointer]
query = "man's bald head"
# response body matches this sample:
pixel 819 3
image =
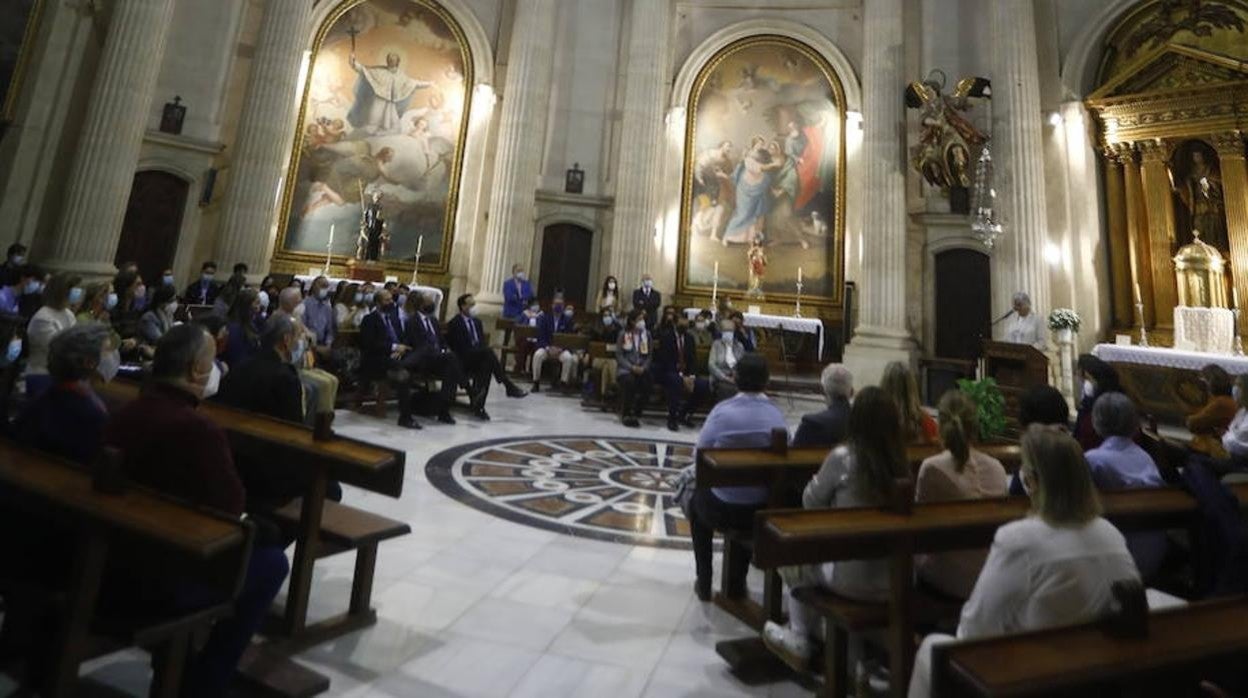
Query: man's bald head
pixel 289 299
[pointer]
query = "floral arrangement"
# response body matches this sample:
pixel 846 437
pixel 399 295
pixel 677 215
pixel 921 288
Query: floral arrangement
pixel 1064 319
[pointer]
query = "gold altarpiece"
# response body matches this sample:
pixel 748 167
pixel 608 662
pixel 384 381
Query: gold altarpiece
pixel 1171 115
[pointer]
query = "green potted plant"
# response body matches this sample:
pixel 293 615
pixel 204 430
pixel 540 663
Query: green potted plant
pixel 990 404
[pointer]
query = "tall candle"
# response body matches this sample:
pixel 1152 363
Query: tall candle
pixel 1137 292
pixel 1235 297
pixel 420 244
pixel 331 236
pixel 715 286
pixel 799 275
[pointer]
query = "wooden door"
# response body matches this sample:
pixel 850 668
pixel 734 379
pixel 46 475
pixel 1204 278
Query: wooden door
pixel 149 235
pixel 566 250
pixel 963 303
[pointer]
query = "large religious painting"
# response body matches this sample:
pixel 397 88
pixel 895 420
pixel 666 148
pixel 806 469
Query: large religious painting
pixel 18 21
pixel 764 175
pixel 382 125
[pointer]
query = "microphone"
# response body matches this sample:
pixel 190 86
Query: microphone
pixel 1002 318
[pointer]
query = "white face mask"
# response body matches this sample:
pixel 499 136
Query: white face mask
pixel 1089 388
pixel 214 383
pixel 472 311
pixel 640 324
pixel 109 364
pixel 610 285
pixel 700 324
pixel 521 276
pixel 647 284
pixel 264 299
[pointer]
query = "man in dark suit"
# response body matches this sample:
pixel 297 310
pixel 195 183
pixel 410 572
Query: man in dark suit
pixel 204 291
pixel 648 300
pixel 268 383
pixel 674 369
pixel 430 354
pixel 560 320
pixel 827 428
pixel 465 335
pixel 382 351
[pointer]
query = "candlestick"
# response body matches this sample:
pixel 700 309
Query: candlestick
pixel 799 276
pixel 1138 298
pixel 1139 311
pixel 420 244
pixel 329 249
pixel 797 309
pixel 1235 297
pixel 715 287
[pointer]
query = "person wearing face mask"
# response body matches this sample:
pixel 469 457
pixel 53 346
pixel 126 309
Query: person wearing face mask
pixel 648 300
pixel 516 292
pixel 31 299
pixel 55 316
pixel 229 294
pixel 722 362
pixel 206 288
pixel 68 418
pixel 560 320
pixel 13 263
pixel 383 348
pixel 318 318
pixel 675 368
pixel 465 335
pixel 602 376
pixel 1054 567
pixel 348 302
pixel 244 339
pixel 164 420
pixel 703 334
pixel 430 354
pixel 633 357
pixel 1098 378
pixel 321 386
pixel 745 335
pixel 24 280
pixel 126 313
pixel 159 319
pixel 609 296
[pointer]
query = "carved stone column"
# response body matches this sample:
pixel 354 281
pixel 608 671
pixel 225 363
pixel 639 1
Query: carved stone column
pixel 117 112
pixel 1137 230
pixel 640 161
pixel 1119 241
pixel 265 130
pixel 1018 262
pixel 1159 203
pixel 518 156
pixel 1230 147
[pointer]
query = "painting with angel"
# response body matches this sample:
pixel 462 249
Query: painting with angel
pixel 384 116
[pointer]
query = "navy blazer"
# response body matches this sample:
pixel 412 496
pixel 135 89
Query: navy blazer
pixel 648 303
pixel 202 293
pixel 459 339
pixel 551 324
pixel 665 356
pixel 826 428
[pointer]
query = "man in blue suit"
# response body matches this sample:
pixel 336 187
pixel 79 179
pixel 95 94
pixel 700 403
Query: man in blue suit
pixel 516 292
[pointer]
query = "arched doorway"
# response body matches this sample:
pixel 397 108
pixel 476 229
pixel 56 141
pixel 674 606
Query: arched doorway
pixel 566 251
pixel 149 235
pixel 963 303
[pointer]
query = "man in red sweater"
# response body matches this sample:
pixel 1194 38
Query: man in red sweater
pixel 169 446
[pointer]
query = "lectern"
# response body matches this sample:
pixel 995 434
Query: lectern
pixel 1015 368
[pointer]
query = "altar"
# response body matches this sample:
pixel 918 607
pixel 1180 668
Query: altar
pixel 307 279
pixel 1165 382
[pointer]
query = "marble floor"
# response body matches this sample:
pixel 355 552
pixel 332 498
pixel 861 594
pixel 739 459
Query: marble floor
pixel 473 605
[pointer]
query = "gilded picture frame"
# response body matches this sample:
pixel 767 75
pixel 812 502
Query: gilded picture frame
pixel 830 255
pixel 399 260
pixel 8 101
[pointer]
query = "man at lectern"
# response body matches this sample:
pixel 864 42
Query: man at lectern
pixel 1024 326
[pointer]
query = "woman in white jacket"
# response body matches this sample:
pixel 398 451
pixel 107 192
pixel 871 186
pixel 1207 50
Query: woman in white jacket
pixel 1054 567
pixel 62 295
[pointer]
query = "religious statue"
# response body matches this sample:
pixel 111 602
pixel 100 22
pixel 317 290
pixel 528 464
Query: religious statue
pixel 1201 193
pixel 946 137
pixel 756 257
pixel 374 237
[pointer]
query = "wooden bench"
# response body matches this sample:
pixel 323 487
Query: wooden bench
pixel 349 461
pixel 522 333
pixel 798 537
pixel 211 547
pixel 1092 660
pixel 1009 454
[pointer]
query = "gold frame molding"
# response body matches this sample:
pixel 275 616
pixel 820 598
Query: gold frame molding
pixel 824 306
pixel 8 110
pixel 295 261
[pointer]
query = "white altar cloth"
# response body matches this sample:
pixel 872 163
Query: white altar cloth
pixel 307 280
pixel 786 323
pixel 1169 358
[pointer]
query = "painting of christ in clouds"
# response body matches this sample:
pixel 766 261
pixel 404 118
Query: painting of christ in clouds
pixel 385 113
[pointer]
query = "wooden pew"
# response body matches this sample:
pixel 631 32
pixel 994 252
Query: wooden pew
pixel 796 537
pixel 212 547
pixel 1090 660
pixel 322 528
pixel 1010 454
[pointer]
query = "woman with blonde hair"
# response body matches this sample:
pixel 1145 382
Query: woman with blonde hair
pixel 958 472
pixel 917 426
pixel 1054 567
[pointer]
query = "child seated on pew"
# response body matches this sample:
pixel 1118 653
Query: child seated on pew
pixel 1055 567
pixel 859 473
pixel 958 472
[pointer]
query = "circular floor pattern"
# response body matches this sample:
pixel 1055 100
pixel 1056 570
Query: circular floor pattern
pixel 610 488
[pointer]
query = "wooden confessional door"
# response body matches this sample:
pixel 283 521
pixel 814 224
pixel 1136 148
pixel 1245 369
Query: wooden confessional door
pixel 963 303
pixel 149 235
pixel 566 250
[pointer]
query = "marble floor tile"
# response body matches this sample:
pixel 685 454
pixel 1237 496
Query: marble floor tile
pixel 623 644
pixel 563 677
pixel 635 605
pixel 535 587
pixel 513 623
pixel 465 666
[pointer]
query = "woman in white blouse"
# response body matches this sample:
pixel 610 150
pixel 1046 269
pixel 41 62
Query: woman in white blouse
pixel 859 473
pixel 1055 567
pixel 1024 326
pixel 63 294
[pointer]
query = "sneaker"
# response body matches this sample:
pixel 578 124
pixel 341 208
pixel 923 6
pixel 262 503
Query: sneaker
pixel 792 648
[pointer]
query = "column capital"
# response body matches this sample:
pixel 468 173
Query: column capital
pixel 1155 150
pixel 1121 153
pixel 1229 144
